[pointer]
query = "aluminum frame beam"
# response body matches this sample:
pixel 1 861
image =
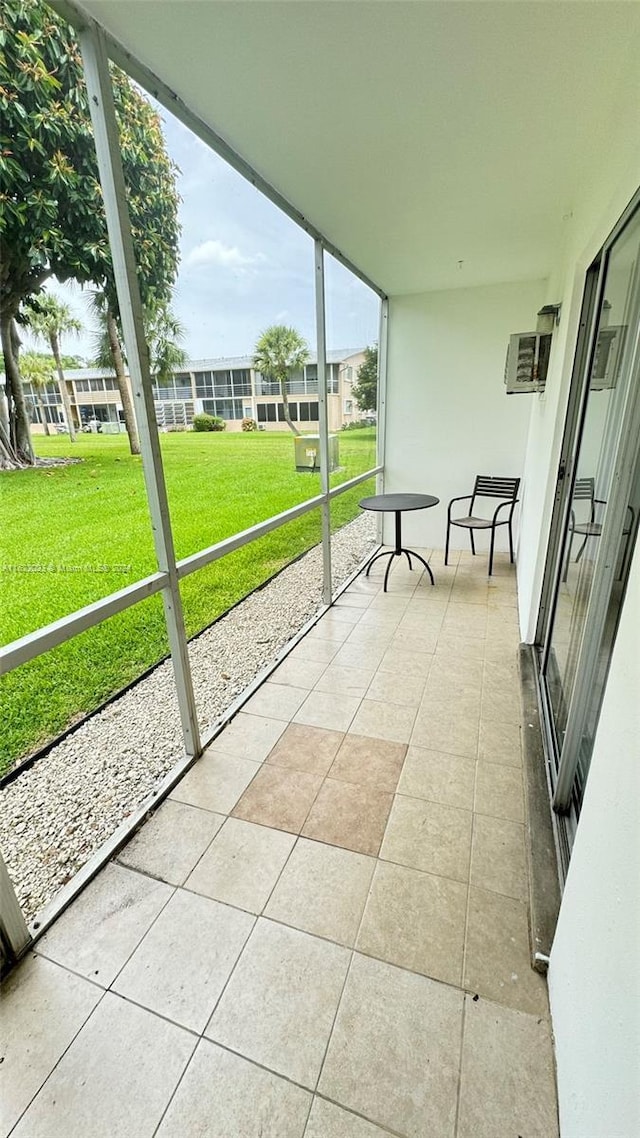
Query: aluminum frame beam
pixel 625 449
pixel 44 639
pixel 36 643
pixel 97 46
pixel 381 439
pixel 13 927
pixel 107 143
pixel 321 348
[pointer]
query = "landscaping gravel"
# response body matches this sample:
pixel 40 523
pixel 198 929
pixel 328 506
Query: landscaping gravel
pixel 57 813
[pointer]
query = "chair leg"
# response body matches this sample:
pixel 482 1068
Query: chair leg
pixel 493 538
pixel 582 548
pixel 473 544
pixel 446 544
pixel 510 543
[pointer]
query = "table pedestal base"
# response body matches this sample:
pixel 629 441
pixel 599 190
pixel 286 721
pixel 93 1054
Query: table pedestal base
pixel 406 502
pixel 409 553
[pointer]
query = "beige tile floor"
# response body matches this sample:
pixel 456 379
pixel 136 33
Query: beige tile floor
pixel 324 931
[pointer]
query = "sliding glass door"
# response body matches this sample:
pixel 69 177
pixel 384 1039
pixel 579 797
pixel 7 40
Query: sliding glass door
pixel 596 515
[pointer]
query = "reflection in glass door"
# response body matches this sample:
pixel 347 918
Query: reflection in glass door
pixel 600 522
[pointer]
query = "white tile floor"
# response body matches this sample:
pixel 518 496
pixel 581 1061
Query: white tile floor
pixel 324 931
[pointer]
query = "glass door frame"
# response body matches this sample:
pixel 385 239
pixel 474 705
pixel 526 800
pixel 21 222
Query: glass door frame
pixel 562 761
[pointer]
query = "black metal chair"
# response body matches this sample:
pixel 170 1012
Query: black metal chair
pixel 584 491
pixel 486 487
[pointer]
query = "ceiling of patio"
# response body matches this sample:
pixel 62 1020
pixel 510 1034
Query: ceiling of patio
pixel 414 135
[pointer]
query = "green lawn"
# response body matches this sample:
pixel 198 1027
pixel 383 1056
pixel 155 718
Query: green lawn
pixel 73 534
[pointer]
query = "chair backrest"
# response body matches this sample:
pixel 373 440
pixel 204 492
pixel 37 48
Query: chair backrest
pixel 488 487
pixel 583 491
pixel 584 488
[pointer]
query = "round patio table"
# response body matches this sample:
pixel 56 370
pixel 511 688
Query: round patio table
pixel 397 504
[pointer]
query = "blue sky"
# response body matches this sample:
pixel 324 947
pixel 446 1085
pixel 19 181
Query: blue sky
pixel 244 265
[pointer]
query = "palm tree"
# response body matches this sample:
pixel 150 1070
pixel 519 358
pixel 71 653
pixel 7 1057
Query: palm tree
pixel 109 354
pixel 37 371
pixel 164 334
pixel 279 352
pixel 49 319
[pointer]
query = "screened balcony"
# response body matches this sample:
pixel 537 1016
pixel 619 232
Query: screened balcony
pixel 323 920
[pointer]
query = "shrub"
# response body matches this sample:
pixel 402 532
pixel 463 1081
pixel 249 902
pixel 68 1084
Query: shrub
pixel 357 425
pixel 249 425
pixel 204 422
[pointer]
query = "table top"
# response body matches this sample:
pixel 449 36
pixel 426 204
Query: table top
pixel 399 502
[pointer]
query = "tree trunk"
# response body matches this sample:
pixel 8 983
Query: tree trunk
pixel 20 434
pixel 8 457
pixel 62 385
pixel 285 400
pixel 123 386
pixel 43 413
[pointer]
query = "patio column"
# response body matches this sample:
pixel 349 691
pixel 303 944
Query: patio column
pixel 107 145
pixel 321 340
pixel 382 403
pixel 14 934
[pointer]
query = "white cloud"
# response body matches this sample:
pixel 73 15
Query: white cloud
pixel 215 252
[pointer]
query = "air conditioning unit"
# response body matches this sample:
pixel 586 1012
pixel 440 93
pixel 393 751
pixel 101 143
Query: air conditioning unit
pixel 527 362
pixel 607 359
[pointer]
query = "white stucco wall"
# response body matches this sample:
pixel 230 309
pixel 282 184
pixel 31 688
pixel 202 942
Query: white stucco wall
pixel 594 974
pixel 449 417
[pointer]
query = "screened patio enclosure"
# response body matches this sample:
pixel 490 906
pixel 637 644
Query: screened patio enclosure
pixel 473 176
pixel 196 729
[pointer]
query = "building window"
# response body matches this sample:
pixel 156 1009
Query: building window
pixel 348 406
pixel 223 408
pixel 98 411
pixel 49 395
pixel 204 384
pixel 293 412
pixel 241 381
pixel 308 412
pixel 266 386
pixel 222 384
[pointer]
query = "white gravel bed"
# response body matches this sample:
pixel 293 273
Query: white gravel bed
pixel 56 814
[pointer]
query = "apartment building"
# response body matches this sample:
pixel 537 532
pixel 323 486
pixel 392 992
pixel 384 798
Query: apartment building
pixel 228 387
